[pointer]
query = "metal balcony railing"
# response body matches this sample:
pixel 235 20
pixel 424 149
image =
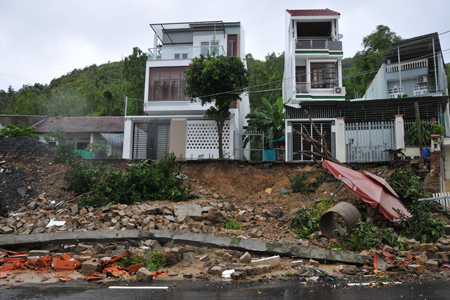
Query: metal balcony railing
pixel 318 45
pixel 183 52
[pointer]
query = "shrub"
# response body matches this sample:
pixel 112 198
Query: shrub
pixel 301 184
pixel 12 130
pixel 307 218
pixel 142 181
pixel 150 259
pixel 232 224
pixel 406 184
pixel 100 150
pixel 83 177
pixel 65 151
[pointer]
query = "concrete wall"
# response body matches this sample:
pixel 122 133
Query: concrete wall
pixel 178 137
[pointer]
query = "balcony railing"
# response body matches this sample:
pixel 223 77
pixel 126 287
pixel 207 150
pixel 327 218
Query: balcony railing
pixel 408 65
pixel 318 45
pixel 183 52
pixel 302 87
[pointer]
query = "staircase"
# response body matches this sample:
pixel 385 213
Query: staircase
pixel 431 76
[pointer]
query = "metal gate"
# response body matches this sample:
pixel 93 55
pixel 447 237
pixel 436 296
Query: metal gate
pixel 299 144
pixel 151 140
pixel 367 141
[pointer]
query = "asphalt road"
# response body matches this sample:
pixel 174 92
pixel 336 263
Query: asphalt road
pixel 224 290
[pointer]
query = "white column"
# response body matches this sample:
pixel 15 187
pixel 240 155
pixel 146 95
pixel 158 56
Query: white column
pixel 127 139
pixel 340 139
pixel 399 132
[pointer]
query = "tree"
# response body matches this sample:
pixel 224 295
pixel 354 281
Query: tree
pixel 134 74
pixel 365 63
pixel 268 118
pixel 219 80
pixel 266 75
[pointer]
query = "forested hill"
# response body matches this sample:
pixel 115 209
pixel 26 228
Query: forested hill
pixel 91 91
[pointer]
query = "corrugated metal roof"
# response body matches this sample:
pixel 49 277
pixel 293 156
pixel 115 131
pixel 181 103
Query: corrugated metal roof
pixel 312 12
pixel 82 124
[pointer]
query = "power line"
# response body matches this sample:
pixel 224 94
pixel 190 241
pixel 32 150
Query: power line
pixel 19 62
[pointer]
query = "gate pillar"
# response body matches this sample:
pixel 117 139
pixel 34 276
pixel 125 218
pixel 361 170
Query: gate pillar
pixel 399 132
pixel 340 139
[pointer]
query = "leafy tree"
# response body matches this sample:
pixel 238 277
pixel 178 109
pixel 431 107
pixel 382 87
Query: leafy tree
pixel 134 74
pixel 12 130
pixel 65 151
pixel 365 63
pixel 268 118
pixel 218 80
pixel 265 75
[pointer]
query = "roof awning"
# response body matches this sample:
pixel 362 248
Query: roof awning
pixel 183 33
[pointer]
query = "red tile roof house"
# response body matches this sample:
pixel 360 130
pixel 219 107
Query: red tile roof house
pixel 85 130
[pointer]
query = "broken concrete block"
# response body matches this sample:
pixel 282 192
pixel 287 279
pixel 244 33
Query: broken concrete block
pixel 418 269
pixel 245 258
pixel 183 219
pixel 249 270
pixel 74 209
pixel 215 216
pixel 272 261
pixel 432 265
pixel 7 230
pixel 90 267
pixel 189 256
pixel 227 256
pixel 40 253
pixel 216 270
pixel 192 210
pixel 144 275
pixel 424 247
pixel 314 263
pixel 236 275
pixel 262 269
pixel 422 258
pixel 348 270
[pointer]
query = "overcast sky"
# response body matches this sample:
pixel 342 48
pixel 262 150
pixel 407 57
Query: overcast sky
pixel 43 39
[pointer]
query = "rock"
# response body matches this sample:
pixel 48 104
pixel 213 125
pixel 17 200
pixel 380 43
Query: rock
pixel 227 256
pixel 83 211
pixel 32 205
pixel 40 253
pixel 144 275
pixel 447 229
pixel 194 211
pixel 188 259
pixel 7 230
pixel 418 269
pixel 90 267
pixel 216 270
pixel 284 190
pixel 74 209
pixel 424 247
pixel 432 265
pixel 215 195
pixel 349 270
pixel 277 213
pixel 314 263
pixel 422 258
pixel 215 216
pixel 273 261
pixel 305 272
pixel 245 258
pixel 262 269
pixel 183 219
pixel 236 275
pixel 172 274
pixel 187 275
pixel 249 271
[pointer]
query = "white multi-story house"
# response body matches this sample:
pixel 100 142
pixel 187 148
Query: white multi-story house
pixel 172 122
pixel 312 74
pixel 410 68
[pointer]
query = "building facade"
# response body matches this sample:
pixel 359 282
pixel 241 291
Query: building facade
pixel 312 74
pixel 173 123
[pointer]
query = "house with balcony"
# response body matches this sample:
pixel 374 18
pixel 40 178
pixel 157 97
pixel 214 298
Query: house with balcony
pixel 410 68
pixel 172 122
pixel 312 74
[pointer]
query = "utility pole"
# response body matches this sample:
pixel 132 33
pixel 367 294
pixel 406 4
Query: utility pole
pixel 419 133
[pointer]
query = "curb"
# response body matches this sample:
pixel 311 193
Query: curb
pixel 188 238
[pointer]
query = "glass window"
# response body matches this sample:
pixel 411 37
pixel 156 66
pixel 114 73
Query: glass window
pixel 232 45
pixel 323 75
pixel 167 84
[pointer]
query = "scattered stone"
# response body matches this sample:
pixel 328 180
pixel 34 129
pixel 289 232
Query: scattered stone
pixel 432 265
pixel 215 216
pixel 273 261
pixel 187 275
pixel 314 263
pixel 236 275
pixel 245 258
pixel 348 269
pixel 194 211
pixel 424 247
pixel 7 230
pixel 216 270
pixel 90 267
pixel 284 190
pixel 418 269
pixel 143 274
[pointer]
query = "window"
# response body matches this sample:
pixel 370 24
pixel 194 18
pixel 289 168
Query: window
pixel 395 92
pixel 205 48
pixel 420 89
pixel 167 84
pixel 323 75
pixel 232 45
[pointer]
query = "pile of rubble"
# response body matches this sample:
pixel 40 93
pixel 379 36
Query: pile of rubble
pixel 25 146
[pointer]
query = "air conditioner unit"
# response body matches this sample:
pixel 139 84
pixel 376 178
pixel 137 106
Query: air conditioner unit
pixel 337 90
pixel 422 79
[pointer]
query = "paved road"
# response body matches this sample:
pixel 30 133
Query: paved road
pixel 224 290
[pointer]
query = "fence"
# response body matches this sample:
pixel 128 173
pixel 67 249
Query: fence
pixel 367 141
pixel 256 141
